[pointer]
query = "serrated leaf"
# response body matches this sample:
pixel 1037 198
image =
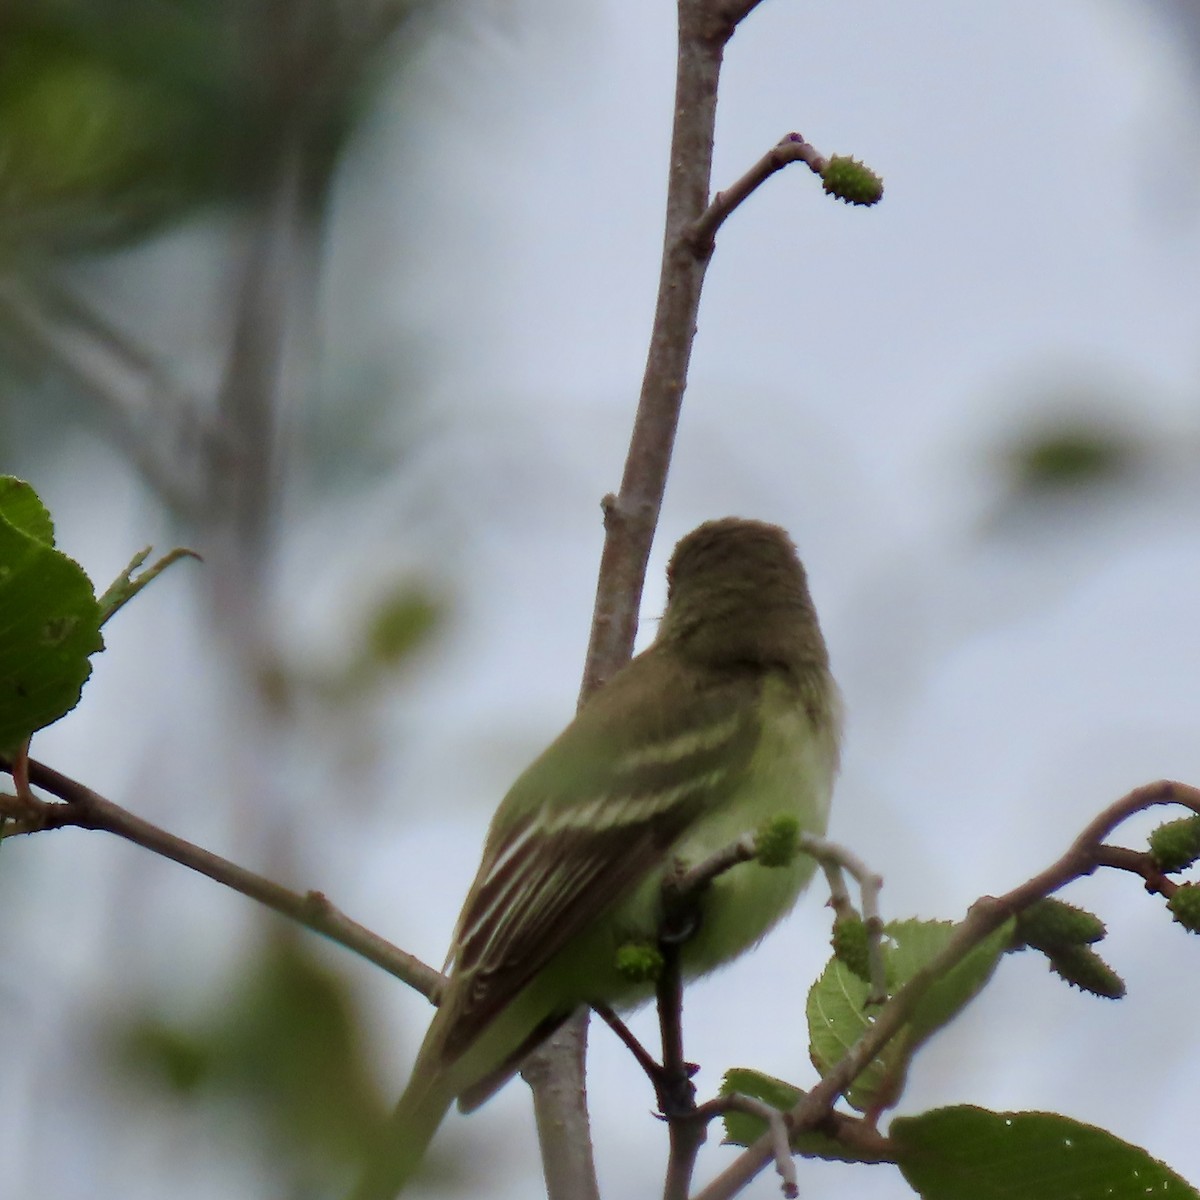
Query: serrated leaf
pixel 955 990
pixel 23 510
pixel 968 1153
pixel 837 1020
pixel 838 1016
pixel 49 628
pixel 743 1128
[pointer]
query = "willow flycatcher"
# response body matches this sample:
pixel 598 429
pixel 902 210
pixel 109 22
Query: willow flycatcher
pixel 728 719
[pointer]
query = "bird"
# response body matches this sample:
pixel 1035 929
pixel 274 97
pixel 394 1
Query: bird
pixel 728 719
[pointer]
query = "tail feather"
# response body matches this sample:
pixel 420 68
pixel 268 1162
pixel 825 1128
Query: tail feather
pixel 404 1138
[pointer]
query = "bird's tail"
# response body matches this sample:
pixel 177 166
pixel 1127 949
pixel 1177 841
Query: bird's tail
pixel 404 1138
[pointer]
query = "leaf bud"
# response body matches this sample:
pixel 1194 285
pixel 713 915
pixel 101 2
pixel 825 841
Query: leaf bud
pixel 851 181
pixel 1086 970
pixel 1185 906
pixel 1176 845
pixel 637 962
pixel 777 840
pixel 1050 924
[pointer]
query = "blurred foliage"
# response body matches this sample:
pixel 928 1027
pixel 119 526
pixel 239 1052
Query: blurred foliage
pixel 1071 455
pixel 117 116
pixel 286 1047
pixel 401 620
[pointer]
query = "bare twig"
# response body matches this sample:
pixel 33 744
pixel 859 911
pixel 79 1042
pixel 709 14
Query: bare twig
pixel 555 1074
pixel 985 916
pixel 777 1131
pixel 676 1092
pixel 856 1135
pixel 631 516
pixel 86 809
pixel 644 1058
pixel 1138 862
pixel 693 880
pixel 791 148
pixel 736 11
pixel 835 860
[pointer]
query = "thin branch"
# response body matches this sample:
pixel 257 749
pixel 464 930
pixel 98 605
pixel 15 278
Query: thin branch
pixel 856 1135
pixel 777 1131
pixel 736 11
pixel 644 1058
pixel 791 148
pixel 631 516
pixel 984 917
pixel 835 860
pixel 1140 863
pixel 555 1074
pixel 85 809
pixel 687 886
pixel 676 1092
pixel 679 891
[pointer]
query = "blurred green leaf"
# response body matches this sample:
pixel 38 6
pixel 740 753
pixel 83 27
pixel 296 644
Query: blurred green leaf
pixel 286 1045
pixel 1068 456
pixel 178 1059
pixel 89 151
pixel 400 622
pixel 118 118
pixel 968 1153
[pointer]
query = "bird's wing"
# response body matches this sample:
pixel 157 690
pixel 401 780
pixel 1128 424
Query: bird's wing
pixel 644 759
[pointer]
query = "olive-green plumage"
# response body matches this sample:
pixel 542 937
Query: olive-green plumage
pixel 729 718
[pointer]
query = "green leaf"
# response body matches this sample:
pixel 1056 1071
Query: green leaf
pixel 837 1019
pixel 968 1153
pixel 918 942
pixel 49 624
pixel 743 1128
pixel 838 1016
pixel 21 508
pixel 400 622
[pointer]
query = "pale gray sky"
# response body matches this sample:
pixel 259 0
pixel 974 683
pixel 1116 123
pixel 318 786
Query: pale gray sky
pixel 1006 674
